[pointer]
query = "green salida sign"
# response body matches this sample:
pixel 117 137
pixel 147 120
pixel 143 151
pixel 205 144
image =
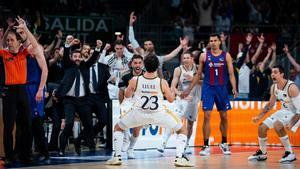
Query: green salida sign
pixel 86 28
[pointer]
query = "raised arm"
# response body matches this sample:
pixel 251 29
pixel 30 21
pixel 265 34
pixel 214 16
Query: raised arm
pixel 54 44
pixel 10 22
pixel 131 36
pixel 183 42
pixel 92 60
pixel 261 40
pixel 291 58
pixel 103 53
pixel 34 44
pixel 273 60
pixel 66 52
pixel 262 65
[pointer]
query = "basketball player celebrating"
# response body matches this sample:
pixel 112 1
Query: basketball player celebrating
pixel 288 94
pixel 149 91
pixel 217 65
pixel 188 107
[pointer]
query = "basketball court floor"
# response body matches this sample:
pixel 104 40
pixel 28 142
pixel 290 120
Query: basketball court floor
pixel 152 159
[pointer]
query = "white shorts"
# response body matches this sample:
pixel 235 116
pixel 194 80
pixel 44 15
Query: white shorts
pixel 126 106
pixel 136 118
pixel 113 91
pixel 283 116
pixel 189 107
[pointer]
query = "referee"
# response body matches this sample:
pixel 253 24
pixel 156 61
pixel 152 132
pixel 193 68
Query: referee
pixel 15 101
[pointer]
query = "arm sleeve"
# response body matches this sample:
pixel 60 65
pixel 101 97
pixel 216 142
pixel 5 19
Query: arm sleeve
pixel 127 54
pixel 132 39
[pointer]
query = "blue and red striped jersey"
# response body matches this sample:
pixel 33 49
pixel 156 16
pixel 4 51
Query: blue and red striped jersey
pixel 215 69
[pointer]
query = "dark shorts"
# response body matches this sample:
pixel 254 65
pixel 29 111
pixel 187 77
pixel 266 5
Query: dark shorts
pixel 37 108
pixel 215 94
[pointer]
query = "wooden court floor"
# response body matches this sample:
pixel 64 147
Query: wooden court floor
pixel 151 159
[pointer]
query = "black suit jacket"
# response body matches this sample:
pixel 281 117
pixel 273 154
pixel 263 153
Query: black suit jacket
pixel 70 72
pixel 103 76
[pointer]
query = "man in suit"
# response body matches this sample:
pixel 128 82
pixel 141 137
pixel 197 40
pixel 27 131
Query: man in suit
pixel 74 89
pixel 97 98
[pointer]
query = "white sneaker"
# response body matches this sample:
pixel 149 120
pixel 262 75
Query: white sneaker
pixel 288 157
pixel 161 148
pixel 183 162
pixel 130 154
pixel 205 151
pixel 225 148
pixel 258 155
pixel 115 160
pixel 126 141
pixel 187 150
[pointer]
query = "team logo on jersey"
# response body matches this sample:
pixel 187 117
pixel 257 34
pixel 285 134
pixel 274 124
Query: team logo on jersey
pixel 210 64
pixel 221 59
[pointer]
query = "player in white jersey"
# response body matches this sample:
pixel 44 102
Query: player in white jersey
pixel 149 91
pixel 126 104
pixel 187 107
pixel 288 94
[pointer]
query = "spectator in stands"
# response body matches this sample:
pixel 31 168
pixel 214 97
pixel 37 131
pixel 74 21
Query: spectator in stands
pixel 245 70
pixel 294 63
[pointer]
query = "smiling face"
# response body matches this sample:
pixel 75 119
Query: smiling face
pixel 76 57
pixel 85 52
pixel 187 59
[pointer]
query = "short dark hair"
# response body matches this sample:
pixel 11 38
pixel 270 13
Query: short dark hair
pixel 189 53
pixel 215 35
pixel 151 63
pixel 148 39
pixel 119 42
pixel 76 51
pixel 279 67
pixel 136 57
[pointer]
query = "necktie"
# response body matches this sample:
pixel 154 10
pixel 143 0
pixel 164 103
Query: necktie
pixel 94 78
pixel 77 84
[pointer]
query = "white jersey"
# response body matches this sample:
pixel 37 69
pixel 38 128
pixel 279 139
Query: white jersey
pixel 284 98
pixel 244 79
pixel 148 94
pixel 184 83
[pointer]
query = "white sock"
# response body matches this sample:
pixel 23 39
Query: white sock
pixel 132 142
pixel 180 144
pixel 262 144
pixel 167 135
pixel 286 143
pixel 118 141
